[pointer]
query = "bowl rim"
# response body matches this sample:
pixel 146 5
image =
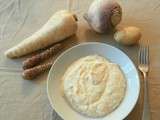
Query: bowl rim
pixel 95 43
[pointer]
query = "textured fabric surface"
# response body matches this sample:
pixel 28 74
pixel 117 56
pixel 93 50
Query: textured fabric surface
pixel 27 100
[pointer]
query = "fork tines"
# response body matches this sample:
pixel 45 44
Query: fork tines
pixel 144 54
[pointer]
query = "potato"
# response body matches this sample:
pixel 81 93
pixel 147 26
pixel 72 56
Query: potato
pixel 128 35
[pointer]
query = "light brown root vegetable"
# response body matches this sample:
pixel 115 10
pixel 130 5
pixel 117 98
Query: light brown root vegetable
pixel 128 35
pixel 32 73
pixel 35 60
pixel 61 25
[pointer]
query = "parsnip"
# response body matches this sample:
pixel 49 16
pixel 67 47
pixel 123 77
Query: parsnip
pixel 60 26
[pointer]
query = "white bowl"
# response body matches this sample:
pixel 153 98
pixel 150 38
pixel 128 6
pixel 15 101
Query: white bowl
pixel 114 55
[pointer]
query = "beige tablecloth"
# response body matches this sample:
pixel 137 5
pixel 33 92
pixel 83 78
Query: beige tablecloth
pixel 27 100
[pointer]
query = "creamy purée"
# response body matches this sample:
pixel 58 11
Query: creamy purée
pixel 94 86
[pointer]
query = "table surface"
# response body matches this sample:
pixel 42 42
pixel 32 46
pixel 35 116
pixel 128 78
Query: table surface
pixel 27 100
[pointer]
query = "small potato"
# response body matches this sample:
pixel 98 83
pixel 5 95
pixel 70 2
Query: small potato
pixel 128 35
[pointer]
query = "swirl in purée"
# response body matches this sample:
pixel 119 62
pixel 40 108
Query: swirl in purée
pixel 93 86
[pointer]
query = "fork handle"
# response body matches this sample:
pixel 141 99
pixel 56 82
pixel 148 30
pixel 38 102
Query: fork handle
pixel 146 115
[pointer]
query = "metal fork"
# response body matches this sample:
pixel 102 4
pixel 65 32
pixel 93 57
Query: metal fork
pixel 144 68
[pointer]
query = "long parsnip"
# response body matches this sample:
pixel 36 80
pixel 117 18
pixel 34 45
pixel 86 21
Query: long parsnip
pixel 60 26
